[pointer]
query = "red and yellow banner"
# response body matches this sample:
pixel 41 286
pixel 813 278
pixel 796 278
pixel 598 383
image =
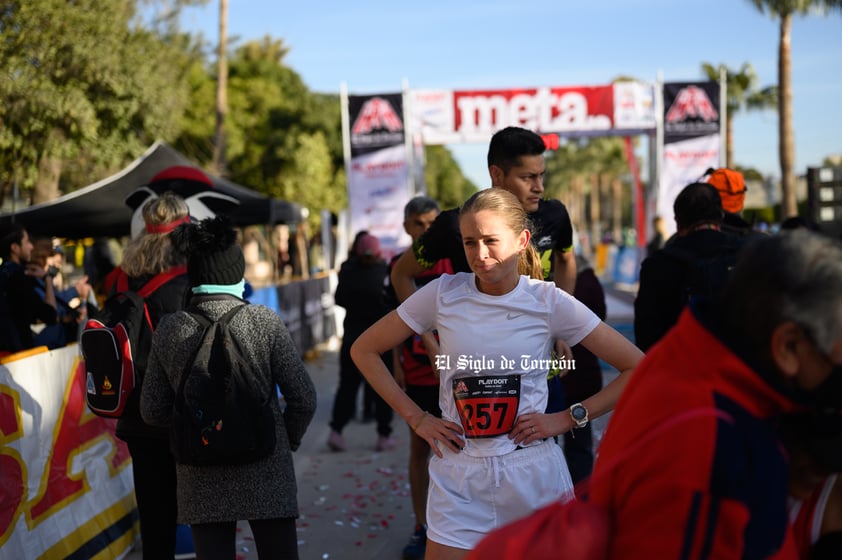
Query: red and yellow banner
pixel 65 479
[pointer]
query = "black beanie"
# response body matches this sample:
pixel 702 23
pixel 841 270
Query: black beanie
pixel 213 255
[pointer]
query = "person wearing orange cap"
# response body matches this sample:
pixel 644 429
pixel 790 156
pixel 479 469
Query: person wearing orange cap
pixel 731 186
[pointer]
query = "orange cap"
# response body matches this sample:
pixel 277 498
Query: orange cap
pixel 731 186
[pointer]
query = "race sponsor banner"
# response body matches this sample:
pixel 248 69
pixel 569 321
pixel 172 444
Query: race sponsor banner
pixel 377 193
pixel 451 117
pixel 376 121
pixel 634 107
pixel 379 173
pixel 690 110
pixel 684 163
pixel 66 486
pixel 692 122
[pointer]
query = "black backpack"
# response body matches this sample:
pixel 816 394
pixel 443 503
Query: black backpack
pixel 221 416
pixel 706 275
pixel 115 344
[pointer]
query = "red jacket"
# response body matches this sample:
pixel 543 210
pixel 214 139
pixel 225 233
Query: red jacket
pixel 691 465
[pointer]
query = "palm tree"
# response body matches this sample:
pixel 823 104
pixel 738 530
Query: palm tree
pixel 742 92
pixel 584 173
pixel 785 10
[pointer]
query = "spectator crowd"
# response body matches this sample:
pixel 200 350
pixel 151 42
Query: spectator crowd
pixel 487 337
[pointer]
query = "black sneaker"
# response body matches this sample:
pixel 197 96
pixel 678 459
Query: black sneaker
pixel 417 544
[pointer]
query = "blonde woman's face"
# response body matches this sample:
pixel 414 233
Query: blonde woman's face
pixel 492 248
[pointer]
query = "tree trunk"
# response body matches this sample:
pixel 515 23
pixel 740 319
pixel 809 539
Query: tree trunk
pixel 221 91
pixel 594 213
pixel 786 140
pixel 575 204
pixel 46 186
pixel 617 207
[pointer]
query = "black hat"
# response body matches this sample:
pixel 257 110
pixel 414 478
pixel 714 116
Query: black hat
pixel 213 255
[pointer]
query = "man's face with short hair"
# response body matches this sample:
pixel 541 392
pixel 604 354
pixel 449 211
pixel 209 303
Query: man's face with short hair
pixel 525 180
pixel 22 252
pixel 416 224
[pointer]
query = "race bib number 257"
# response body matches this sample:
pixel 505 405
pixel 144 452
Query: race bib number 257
pixel 487 404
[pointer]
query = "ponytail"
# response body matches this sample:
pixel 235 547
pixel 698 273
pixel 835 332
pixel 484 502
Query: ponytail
pixel 529 263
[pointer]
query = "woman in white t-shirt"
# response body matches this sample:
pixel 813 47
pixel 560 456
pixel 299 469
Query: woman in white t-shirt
pixel 495 460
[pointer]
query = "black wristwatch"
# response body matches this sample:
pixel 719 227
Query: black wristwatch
pixel 579 414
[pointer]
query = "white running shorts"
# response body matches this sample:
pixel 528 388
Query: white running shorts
pixel 470 496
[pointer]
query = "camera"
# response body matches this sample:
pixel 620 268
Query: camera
pixel 52 271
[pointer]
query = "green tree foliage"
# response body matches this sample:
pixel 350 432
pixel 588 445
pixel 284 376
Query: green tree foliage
pixel 282 140
pixel 310 177
pixel 784 10
pixel 89 85
pixel 444 180
pixel 83 84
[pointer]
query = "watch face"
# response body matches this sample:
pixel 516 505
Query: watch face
pixel 578 412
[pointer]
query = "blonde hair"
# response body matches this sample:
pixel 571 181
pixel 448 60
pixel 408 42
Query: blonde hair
pixel 152 253
pixel 508 207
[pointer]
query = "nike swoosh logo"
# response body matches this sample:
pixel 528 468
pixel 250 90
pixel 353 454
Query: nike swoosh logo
pixel 511 315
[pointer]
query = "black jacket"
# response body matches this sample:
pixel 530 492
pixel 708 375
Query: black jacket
pixel 20 308
pixel 360 290
pixel 662 291
pixel 172 296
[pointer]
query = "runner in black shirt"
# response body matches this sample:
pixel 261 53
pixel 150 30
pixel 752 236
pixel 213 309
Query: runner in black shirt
pixel 516 164
pixel 553 232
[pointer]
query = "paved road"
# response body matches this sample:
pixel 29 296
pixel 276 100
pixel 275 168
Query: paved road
pixel 355 505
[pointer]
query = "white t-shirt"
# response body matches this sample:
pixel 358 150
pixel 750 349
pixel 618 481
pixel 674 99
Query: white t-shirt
pixel 495 338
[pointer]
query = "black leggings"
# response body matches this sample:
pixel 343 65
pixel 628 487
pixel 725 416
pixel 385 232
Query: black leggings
pixel 274 539
pixel 345 401
pixel 153 469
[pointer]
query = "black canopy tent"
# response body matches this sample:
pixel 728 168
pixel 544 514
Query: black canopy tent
pixel 100 209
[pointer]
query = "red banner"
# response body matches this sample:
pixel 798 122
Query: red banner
pixel 555 109
pixel 445 117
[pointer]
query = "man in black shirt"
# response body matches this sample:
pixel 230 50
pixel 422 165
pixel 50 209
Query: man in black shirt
pixel 20 304
pixel 516 164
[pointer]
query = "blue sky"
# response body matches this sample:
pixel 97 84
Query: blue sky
pixel 374 46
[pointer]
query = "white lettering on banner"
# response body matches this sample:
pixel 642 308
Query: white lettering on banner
pixel 448 117
pixel 542 109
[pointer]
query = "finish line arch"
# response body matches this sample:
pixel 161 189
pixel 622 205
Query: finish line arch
pixel 682 121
